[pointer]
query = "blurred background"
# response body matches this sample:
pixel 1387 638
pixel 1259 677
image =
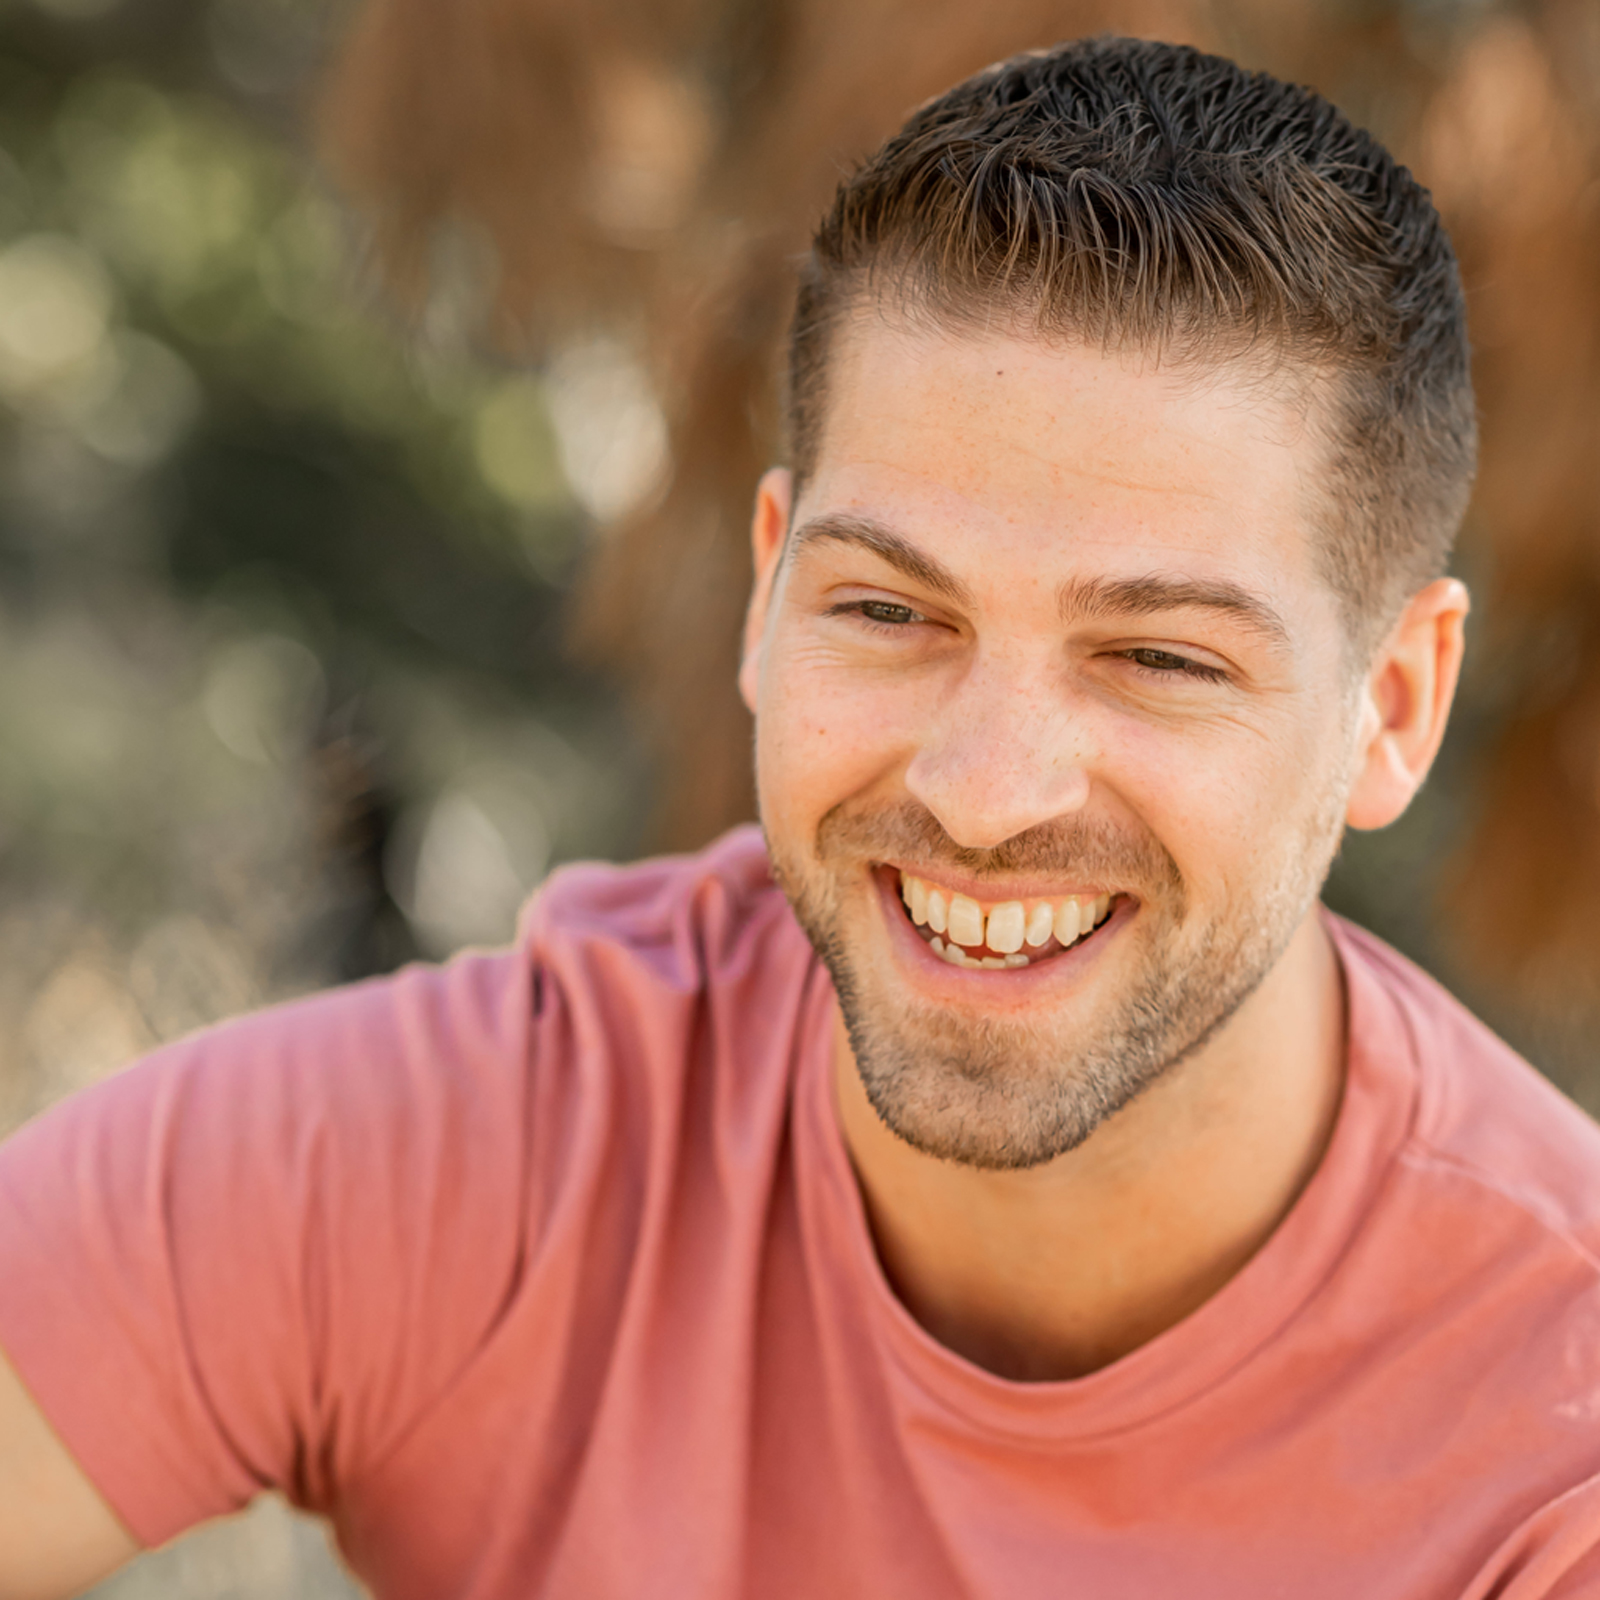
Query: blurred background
pixel 382 390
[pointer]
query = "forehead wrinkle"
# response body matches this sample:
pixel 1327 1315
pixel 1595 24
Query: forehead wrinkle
pixel 888 546
pixel 1158 481
pixel 1095 598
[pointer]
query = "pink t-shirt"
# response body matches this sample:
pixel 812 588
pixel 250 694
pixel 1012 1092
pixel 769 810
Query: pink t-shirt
pixel 544 1273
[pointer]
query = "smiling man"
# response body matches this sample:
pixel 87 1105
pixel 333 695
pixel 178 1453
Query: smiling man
pixel 997 1177
pixel 1059 726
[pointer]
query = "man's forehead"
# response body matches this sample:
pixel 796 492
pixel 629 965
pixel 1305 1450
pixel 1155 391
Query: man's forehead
pixel 997 417
pixel 1230 366
pixel 1100 466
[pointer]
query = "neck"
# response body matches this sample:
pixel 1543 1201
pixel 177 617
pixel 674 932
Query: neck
pixel 1059 1270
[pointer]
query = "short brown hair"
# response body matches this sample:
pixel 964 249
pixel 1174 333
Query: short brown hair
pixel 1145 194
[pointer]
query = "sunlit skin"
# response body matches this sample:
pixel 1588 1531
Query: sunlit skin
pixel 930 628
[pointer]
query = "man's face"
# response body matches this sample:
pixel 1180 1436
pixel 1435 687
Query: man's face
pixel 1053 721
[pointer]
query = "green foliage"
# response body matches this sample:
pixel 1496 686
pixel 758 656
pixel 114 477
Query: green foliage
pixel 280 576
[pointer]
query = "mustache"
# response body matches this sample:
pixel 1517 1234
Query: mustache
pixel 1091 847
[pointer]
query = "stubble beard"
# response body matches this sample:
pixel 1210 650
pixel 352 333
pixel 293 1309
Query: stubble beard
pixel 1011 1094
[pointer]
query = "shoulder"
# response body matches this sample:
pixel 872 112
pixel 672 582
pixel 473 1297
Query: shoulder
pixel 1479 1267
pixel 323 1215
pixel 611 973
pixel 681 921
pixel 1462 1317
pixel 1484 1117
pixel 652 974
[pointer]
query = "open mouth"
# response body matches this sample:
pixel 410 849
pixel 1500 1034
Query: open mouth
pixel 1001 933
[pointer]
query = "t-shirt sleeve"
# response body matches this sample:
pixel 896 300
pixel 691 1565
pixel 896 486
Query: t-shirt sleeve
pixel 253 1259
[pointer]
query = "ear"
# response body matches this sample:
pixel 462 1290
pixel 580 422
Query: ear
pixel 1406 702
pixel 767 529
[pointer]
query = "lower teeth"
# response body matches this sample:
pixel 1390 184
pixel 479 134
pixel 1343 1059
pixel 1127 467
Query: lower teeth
pixel 958 957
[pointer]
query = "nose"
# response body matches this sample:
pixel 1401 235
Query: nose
pixel 1003 754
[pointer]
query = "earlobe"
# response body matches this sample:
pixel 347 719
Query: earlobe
pixel 1406 703
pixel 768 527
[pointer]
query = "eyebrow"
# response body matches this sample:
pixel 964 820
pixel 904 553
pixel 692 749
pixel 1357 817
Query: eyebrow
pixel 888 546
pixel 1097 598
pixel 1080 599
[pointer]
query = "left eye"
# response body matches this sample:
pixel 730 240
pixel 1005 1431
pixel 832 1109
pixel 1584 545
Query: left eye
pixel 1166 663
pixel 886 611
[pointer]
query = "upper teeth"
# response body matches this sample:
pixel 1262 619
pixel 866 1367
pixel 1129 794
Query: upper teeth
pixel 1005 927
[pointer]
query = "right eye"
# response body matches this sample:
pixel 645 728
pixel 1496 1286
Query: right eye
pixel 879 616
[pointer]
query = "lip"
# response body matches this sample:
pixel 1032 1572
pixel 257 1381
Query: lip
pixel 990 892
pixel 1005 989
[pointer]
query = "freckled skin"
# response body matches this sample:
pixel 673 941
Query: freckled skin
pixel 1046 1190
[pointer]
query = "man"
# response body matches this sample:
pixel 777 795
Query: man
pixel 1097 1216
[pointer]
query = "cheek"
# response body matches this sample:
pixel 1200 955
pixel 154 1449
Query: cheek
pixel 1225 809
pixel 823 736
pixel 1181 781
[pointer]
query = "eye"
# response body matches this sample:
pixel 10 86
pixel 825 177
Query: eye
pixel 1165 664
pixel 883 615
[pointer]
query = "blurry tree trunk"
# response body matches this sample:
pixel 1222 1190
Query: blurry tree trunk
pixel 1511 146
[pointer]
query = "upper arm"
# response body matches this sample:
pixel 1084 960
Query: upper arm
pixel 248 1262
pixel 57 1535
